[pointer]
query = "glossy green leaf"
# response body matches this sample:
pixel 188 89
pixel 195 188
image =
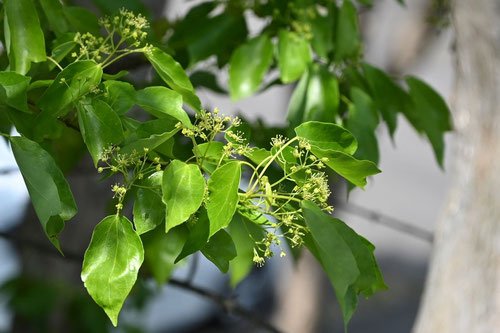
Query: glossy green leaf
pixel 174 75
pixel 48 189
pixel 243 234
pixel 249 63
pixel 315 98
pixel 82 20
pixel 24 38
pixel 120 95
pixel 149 209
pixel 161 249
pixel 355 171
pixel 223 188
pixel 389 97
pixel 198 235
pixel 252 215
pixel 70 85
pixel 434 115
pixel 53 10
pixel 161 101
pixel 13 89
pixel 100 126
pixel 294 55
pixel 346 257
pixel 111 263
pixel 348 36
pixel 362 122
pixel 150 134
pixel 327 136
pixel 183 191
pixel 220 250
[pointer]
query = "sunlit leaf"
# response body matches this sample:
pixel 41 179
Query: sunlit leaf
pixel 249 63
pixel 111 263
pixel 294 55
pixel 100 126
pixel 24 38
pixel 223 188
pixel 174 75
pixel 183 191
pixel 327 136
pixel 161 101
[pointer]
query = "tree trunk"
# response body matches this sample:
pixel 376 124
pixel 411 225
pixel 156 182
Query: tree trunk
pixel 462 290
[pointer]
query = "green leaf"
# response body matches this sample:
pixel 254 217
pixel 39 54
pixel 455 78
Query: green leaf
pixel 347 166
pixel 294 55
pixel 315 98
pixel 209 154
pixel 362 122
pixel 248 65
pixel 113 7
pixel 161 101
pixel 223 188
pixel 183 191
pixel 322 30
pixel 174 75
pixel 218 32
pixel 82 20
pixel 198 235
pixel 220 250
pixel 208 80
pixel 150 134
pixel 111 263
pixel 24 38
pixel 70 85
pixel 49 192
pixel 53 10
pixel 433 113
pixel 161 250
pixel 13 89
pixel 258 155
pixel 61 47
pixel 389 97
pixel 149 209
pixel 327 136
pixel 243 234
pixel 346 257
pixel 100 126
pixel 348 36
pixel 120 95
pixel 119 75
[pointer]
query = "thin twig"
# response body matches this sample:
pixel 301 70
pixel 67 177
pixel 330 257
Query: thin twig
pixel 8 170
pixel 388 221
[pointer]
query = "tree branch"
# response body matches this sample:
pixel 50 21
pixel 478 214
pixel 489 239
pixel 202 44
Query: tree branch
pixel 387 221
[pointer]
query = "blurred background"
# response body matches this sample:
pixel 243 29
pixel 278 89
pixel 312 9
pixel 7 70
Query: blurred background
pixel 396 212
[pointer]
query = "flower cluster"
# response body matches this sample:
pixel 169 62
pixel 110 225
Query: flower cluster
pixel 132 166
pixel 129 27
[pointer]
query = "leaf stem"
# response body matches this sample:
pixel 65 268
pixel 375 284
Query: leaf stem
pixel 55 62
